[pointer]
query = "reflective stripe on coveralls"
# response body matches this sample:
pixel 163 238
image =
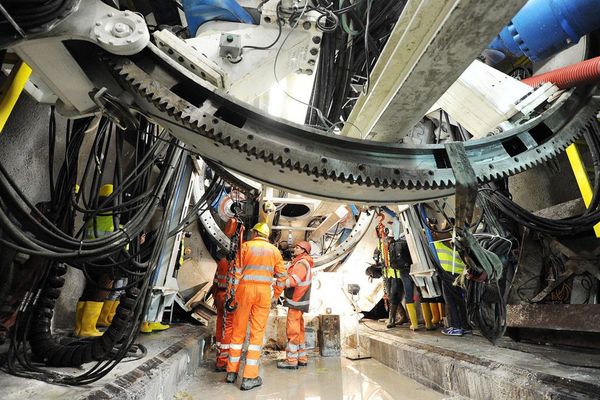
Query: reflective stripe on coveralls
pixel 259 262
pixel 449 259
pixel 297 299
pixel 223 336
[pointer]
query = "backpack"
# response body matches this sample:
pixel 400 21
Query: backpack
pixel 400 255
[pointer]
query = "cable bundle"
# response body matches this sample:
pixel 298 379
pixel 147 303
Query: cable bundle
pixel 31 14
pixel 557 227
pixel 144 180
pixel 354 36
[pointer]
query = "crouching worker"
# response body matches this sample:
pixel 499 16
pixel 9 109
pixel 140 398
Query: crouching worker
pixel 297 299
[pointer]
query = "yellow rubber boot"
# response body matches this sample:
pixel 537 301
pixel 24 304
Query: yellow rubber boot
pixel 427 316
pixel 78 316
pixel 113 310
pixel 91 312
pixel 145 327
pixel 412 315
pixel 435 313
pixel 442 307
pixel 104 319
pixel 157 326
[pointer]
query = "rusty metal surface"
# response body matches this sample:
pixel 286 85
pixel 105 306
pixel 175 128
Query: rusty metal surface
pixel 329 336
pixel 570 317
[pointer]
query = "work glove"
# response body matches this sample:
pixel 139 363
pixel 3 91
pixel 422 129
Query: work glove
pixel 273 302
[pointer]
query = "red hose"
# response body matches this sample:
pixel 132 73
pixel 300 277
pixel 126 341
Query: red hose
pixel 584 73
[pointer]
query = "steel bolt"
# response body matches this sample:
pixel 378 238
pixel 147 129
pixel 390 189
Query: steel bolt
pixel 121 30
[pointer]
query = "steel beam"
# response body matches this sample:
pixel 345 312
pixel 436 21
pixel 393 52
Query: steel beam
pixel 433 42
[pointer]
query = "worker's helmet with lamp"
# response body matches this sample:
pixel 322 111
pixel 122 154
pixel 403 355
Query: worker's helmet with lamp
pixel 268 207
pixel 262 229
pixel 304 245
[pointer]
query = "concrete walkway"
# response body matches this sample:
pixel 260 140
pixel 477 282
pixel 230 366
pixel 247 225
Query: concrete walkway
pixel 324 378
pixel 472 367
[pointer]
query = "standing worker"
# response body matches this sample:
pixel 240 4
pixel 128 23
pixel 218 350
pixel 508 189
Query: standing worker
pixel 224 328
pixel 396 272
pixel 94 298
pixel 454 296
pixel 259 263
pixel 297 299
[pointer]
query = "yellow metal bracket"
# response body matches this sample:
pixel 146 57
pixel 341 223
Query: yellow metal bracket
pixel 11 90
pixel 582 178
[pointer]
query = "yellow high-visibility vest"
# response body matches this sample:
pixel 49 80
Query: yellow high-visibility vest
pixel 449 258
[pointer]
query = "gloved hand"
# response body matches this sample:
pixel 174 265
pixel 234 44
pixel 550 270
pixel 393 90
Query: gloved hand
pixel 273 302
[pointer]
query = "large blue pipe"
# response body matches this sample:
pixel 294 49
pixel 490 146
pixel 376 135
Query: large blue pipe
pixel 198 12
pixel 545 27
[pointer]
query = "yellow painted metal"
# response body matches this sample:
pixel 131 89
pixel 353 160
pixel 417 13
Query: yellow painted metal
pixel 12 90
pixel 582 178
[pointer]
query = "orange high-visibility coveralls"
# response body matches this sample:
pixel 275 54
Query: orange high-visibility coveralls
pixel 260 262
pixel 297 298
pixel 220 295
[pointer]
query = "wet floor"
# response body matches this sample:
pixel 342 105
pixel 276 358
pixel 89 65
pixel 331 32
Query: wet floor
pixel 323 379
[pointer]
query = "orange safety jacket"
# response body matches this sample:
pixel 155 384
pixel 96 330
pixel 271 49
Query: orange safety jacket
pixel 220 279
pixel 260 262
pixel 298 283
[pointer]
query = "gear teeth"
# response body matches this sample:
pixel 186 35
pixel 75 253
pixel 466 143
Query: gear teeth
pixel 182 111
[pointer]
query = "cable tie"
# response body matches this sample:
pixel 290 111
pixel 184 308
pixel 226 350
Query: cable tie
pixel 80 247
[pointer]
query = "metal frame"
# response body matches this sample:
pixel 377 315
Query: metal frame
pixel 433 42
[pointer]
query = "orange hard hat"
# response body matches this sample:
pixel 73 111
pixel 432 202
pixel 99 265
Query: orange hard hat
pixel 304 246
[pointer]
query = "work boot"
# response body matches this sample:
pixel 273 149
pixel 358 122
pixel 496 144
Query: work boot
pixel 231 377
pixel 403 316
pixel 145 327
pixel 89 318
pixel 113 311
pixel 442 307
pixel 435 313
pixel 285 364
pixel 78 316
pixel 104 320
pixel 392 318
pixel 251 383
pixel 158 326
pixel 412 314
pixel 302 363
pixel 427 316
pixel 220 368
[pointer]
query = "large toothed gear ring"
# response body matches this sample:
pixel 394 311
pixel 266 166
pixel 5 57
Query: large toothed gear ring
pixel 302 160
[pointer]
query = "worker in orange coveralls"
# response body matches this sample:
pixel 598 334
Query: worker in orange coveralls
pixel 219 293
pixel 297 298
pixel 259 262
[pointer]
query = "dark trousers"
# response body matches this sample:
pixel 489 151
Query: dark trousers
pixel 409 286
pixel 92 292
pixel 455 302
pixel 394 290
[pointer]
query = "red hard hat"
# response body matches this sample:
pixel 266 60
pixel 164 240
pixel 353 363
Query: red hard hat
pixel 304 246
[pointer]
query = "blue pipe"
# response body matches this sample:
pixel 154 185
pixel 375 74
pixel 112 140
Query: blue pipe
pixel 198 12
pixel 543 28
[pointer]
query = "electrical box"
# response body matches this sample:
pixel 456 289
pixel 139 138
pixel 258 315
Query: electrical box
pixel 230 46
pixel 329 337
